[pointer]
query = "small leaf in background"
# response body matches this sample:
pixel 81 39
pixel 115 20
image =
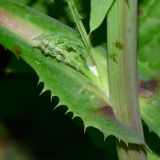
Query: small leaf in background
pixel 99 9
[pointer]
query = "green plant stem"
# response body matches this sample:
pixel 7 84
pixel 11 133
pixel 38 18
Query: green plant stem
pixel 80 26
pixel 92 53
pixel 122 70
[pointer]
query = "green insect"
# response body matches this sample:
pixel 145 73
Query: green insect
pixel 68 49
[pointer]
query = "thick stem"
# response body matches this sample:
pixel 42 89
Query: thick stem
pixel 122 69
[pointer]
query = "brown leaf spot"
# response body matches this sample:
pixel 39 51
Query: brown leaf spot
pixel 147 88
pixel 140 12
pixel 17 51
pixel 119 45
pixel 113 57
pixel 107 111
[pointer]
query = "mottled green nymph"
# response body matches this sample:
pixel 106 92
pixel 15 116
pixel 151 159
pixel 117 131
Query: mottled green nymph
pixel 68 49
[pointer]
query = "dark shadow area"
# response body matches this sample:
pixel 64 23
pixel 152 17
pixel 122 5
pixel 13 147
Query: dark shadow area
pixel 152 139
pixel 4 60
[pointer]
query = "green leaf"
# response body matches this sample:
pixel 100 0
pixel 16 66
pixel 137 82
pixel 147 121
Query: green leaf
pixel 149 35
pixel 152 156
pixel 81 96
pixel 149 63
pixel 39 5
pixel 99 9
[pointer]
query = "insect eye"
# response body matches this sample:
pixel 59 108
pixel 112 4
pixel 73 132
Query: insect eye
pixel 69 49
